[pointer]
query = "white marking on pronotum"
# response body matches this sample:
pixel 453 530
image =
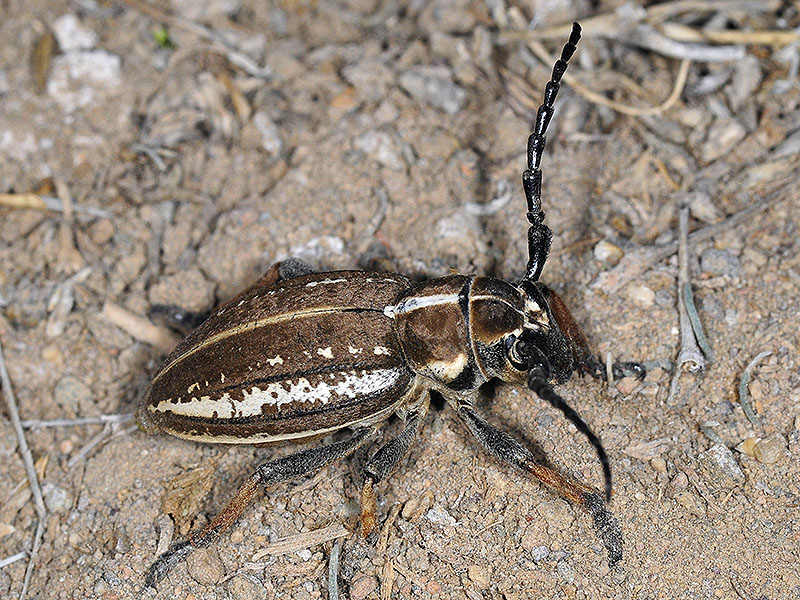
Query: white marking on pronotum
pixel 349 384
pixel 325 352
pixel 353 350
pixel 324 282
pixel 194 386
pixel 381 350
pixel 417 302
pixel 275 361
pixel 447 371
pixel 222 377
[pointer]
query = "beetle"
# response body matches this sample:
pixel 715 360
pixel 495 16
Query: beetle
pixel 301 354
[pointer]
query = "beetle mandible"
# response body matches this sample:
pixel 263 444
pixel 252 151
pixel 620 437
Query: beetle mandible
pixel 302 354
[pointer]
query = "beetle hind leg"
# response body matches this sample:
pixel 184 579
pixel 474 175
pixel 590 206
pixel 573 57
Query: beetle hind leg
pixel 384 461
pixel 275 471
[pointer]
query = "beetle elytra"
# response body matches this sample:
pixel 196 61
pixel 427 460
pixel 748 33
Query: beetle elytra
pixel 301 354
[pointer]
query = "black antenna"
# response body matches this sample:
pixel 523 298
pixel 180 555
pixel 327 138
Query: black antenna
pixel 539 234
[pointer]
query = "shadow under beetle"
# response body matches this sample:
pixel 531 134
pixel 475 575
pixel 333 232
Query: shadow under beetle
pixel 301 354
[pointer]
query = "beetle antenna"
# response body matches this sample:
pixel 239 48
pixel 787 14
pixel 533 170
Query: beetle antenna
pixel 539 234
pixel 537 382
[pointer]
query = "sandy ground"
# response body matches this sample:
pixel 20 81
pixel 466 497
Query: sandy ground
pixel 235 134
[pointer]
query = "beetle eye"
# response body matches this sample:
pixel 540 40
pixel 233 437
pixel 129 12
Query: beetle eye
pixel 515 351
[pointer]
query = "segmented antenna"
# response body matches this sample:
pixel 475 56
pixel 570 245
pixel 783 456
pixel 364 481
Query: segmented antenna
pixel 539 234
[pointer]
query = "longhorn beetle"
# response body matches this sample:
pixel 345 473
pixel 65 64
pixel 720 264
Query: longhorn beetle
pixel 302 354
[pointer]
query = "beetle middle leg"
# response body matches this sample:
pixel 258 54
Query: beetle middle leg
pixel 275 471
pixel 504 447
pixel 385 460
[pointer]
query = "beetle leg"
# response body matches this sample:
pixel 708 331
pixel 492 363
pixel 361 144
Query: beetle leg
pixel 266 474
pixel 507 449
pixel 385 460
pixel 585 361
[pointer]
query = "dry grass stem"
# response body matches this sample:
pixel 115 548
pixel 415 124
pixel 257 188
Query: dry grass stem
pixel 98 420
pixel 302 540
pixel 333 570
pixel 39 202
pixel 30 470
pixel 636 111
pixel 744 400
pixel 636 263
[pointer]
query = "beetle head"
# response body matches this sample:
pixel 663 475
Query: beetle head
pixel 511 326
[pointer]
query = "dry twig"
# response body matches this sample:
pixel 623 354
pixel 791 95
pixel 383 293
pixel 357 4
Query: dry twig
pixel 139 328
pixel 33 480
pixel 690 352
pixel 636 263
pixel 744 401
pixel 333 571
pixel 98 420
pixel 303 540
pixel 39 202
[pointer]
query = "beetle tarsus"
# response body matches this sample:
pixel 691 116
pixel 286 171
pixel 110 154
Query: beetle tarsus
pixel 606 525
pixel 177 552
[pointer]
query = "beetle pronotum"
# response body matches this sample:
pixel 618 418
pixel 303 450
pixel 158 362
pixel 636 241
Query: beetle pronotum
pixel 302 354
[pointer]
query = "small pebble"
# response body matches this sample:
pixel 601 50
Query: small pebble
pixel 237 536
pixel 748 446
pixel 246 587
pixel 565 571
pixel 723 135
pixel 270 136
pixel 691 503
pixel 720 262
pixel 641 295
pixel 56 499
pixel 607 252
pixel 770 450
pixel 439 515
pixel 539 553
pixel 363 586
pixel 719 467
pixel 74 395
pixel 626 385
pixel 434 85
pixel 480 576
pixel 205 566
pixel 659 464
pixel 680 481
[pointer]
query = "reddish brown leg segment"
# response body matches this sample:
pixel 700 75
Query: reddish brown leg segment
pixel 385 460
pixel 510 451
pixel 289 467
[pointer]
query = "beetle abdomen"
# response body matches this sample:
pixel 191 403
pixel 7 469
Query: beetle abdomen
pixel 294 359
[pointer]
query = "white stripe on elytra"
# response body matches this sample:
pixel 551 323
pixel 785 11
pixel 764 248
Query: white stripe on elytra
pixel 350 384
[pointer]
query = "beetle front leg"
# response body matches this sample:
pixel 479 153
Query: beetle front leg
pixel 585 360
pixel 507 449
pixel 275 471
pixel 385 460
